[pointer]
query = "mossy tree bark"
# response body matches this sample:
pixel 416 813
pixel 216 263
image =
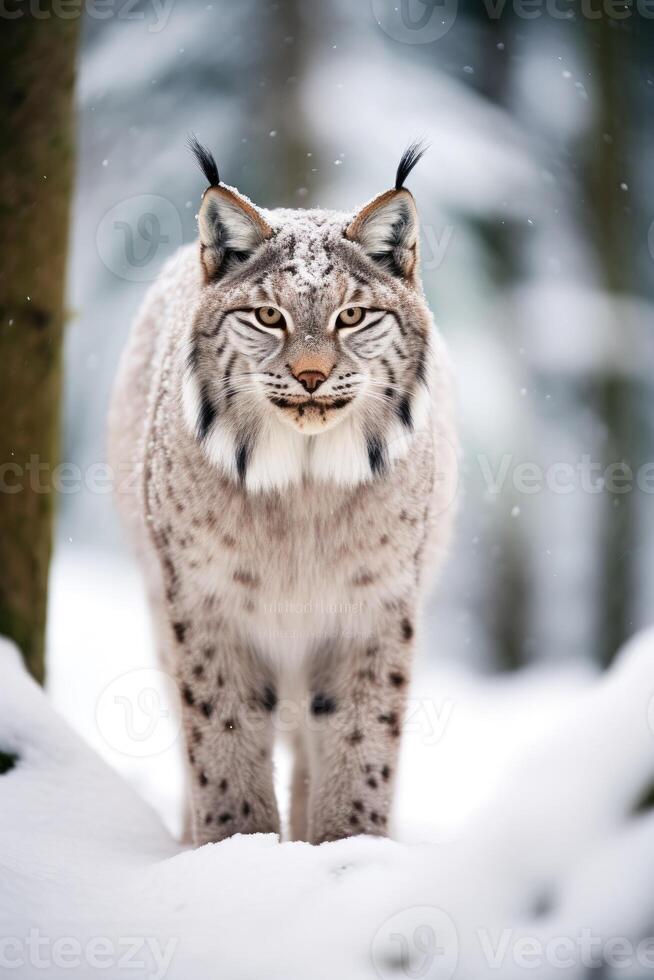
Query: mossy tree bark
pixel 37 70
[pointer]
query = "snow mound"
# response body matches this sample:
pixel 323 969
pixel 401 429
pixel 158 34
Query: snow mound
pixel 552 878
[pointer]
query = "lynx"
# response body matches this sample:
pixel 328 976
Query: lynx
pixel 284 405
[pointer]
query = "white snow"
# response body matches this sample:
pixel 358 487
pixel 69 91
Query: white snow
pixel 521 792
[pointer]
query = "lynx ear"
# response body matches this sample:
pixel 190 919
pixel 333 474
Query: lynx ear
pixel 231 228
pixel 387 231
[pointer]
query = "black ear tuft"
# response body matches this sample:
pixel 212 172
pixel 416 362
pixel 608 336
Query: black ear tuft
pixel 409 159
pixel 205 160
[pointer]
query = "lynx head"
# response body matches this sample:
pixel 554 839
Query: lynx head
pixel 309 351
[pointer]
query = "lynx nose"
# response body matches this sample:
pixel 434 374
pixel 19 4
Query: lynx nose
pixel 311 380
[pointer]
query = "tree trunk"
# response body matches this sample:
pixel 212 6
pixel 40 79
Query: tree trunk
pixel 508 571
pixel 37 69
pixel 614 392
pixel 279 102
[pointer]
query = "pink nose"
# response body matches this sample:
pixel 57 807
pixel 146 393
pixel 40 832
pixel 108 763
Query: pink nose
pixel 311 380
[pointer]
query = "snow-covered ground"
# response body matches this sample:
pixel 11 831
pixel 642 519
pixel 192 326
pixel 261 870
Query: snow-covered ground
pixel 103 677
pixel 521 853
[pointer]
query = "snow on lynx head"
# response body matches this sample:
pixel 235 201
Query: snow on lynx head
pixel 309 353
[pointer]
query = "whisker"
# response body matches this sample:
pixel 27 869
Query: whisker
pixel 238 377
pixel 241 388
pixel 376 383
pixel 383 400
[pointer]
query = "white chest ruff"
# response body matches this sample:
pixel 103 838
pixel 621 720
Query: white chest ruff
pixel 282 456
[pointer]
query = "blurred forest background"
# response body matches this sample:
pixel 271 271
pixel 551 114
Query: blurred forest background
pixel 538 247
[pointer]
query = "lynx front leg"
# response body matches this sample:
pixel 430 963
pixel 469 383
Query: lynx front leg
pixel 357 709
pixel 227 704
pixel 299 789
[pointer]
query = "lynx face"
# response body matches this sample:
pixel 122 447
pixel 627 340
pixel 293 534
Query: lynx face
pixel 309 352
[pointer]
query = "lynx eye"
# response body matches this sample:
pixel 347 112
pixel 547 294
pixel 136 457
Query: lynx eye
pixel 350 317
pixel 268 316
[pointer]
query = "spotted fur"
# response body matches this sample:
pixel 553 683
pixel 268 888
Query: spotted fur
pixel 287 534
